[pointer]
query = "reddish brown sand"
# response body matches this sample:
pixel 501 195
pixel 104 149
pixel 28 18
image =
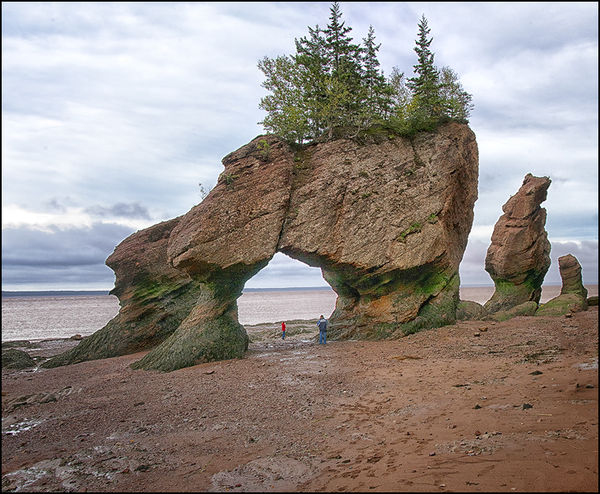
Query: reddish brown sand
pixel 510 406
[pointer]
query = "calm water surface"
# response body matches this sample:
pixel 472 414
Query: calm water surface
pixel 64 316
pixel 26 318
pixel 42 317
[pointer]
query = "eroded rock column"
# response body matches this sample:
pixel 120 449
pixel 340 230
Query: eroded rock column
pixel 211 331
pixel 570 273
pixel 519 254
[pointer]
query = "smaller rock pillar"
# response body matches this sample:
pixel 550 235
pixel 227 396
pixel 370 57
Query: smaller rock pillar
pixel 570 273
pixel 573 295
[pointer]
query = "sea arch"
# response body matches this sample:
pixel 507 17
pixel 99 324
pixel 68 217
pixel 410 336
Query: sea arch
pixel 386 219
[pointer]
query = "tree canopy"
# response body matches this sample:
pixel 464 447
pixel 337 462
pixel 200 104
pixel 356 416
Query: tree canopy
pixel 332 86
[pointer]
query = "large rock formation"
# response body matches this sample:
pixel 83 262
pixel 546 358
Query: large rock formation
pixel 519 254
pixel 573 295
pixel 386 219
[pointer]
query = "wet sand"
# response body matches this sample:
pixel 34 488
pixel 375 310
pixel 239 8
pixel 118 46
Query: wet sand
pixel 478 406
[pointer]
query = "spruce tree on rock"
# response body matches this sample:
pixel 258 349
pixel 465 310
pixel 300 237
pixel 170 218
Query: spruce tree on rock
pixel 427 104
pixel 378 93
pixel 345 71
pixel 313 65
pixel 342 53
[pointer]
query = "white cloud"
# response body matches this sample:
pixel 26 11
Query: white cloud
pixel 14 216
pixel 283 271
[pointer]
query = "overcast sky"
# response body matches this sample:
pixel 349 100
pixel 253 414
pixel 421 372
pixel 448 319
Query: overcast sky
pixel 113 113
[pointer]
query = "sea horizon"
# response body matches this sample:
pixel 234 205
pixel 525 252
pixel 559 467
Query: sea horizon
pixel 61 293
pixel 41 293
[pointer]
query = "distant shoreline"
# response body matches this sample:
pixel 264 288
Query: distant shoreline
pixel 66 293
pixel 53 293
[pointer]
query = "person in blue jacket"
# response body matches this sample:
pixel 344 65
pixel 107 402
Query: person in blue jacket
pixel 322 323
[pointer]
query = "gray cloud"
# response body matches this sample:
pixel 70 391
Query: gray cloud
pixel 472 268
pixel 55 205
pixel 120 210
pixel 55 257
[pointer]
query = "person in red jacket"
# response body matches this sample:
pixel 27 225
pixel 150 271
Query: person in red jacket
pixel 282 330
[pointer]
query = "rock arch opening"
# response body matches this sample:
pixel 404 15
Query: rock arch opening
pixel 285 290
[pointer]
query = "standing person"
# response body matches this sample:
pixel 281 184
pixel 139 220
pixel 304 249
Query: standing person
pixel 322 323
pixel 283 330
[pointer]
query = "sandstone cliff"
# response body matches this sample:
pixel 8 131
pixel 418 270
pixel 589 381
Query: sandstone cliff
pixel 519 254
pixel 386 220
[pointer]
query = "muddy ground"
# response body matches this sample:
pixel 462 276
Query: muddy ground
pixel 509 406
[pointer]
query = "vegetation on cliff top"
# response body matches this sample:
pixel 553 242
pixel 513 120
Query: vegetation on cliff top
pixel 332 87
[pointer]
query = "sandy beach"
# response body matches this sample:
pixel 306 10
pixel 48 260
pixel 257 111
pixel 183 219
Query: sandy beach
pixel 478 406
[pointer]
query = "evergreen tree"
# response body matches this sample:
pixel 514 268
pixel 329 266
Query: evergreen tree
pixel 344 61
pixel 378 93
pixel 425 86
pixel 344 56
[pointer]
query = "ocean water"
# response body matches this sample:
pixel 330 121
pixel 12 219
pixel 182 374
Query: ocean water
pixel 41 317
pixel 62 316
